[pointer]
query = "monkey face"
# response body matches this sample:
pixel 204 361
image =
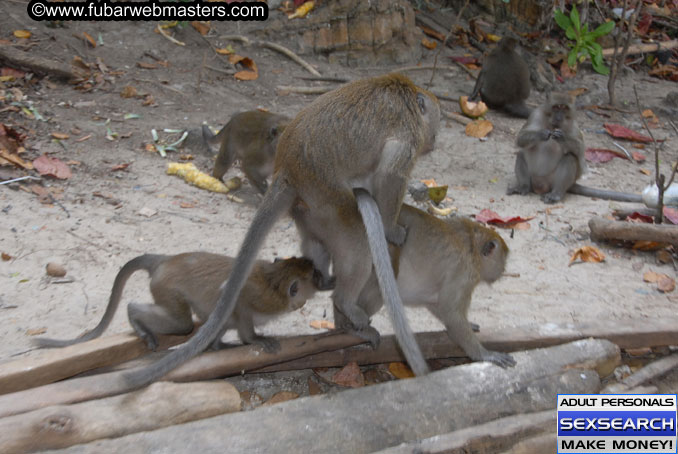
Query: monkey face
pixel 559 113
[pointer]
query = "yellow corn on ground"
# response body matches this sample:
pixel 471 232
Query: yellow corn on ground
pixel 192 175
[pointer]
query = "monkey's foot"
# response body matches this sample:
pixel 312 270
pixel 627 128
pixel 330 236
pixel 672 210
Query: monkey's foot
pixel 268 344
pixel 522 190
pixel 323 282
pixel 150 339
pixel 474 327
pixel 369 334
pixel 396 235
pixel 551 197
pixel 503 360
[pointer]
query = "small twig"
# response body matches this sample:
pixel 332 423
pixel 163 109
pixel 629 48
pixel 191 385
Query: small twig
pixel 304 90
pixel 339 80
pixel 13 180
pixel 276 47
pixel 59 204
pixel 444 43
pixel 417 68
pixel 673 125
pixel 164 33
pixel 457 117
pixel 626 152
pixel 223 71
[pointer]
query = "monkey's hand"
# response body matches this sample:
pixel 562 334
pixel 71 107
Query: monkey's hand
pixel 503 360
pixel 518 189
pixel 545 134
pixel 557 134
pixel 551 197
pixel 396 235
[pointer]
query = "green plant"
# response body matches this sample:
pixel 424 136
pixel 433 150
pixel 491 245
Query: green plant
pixel 584 40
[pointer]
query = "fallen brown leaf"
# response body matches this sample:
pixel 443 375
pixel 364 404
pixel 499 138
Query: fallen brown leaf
pixel 666 285
pixel 400 370
pixel 427 43
pixel 128 91
pixel 187 205
pixel 47 165
pixel 313 387
pixel 22 34
pixel 587 254
pixel 279 397
pixel 144 65
pixel 652 276
pixel 202 27
pixel 120 167
pixel 6 257
pixel 86 36
pixel 60 135
pixel 349 376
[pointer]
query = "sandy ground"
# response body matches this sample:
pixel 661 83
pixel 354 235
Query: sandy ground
pixel 93 238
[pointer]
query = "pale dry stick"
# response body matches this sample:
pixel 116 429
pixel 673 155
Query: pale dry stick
pixel 444 43
pixel 276 47
pixel 304 90
pixel 417 68
pixel 645 47
pixel 660 179
pixel 164 33
pixel 618 60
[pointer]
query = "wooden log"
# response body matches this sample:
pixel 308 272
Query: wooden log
pixel 626 334
pixel 55 364
pixel 489 437
pixel 39 65
pixel 159 405
pixel 643 375
pixel 603 229
pixel 406 410
pixel 208 365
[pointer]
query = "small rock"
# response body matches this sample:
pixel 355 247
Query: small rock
pixel 148 212
pixel 418 190
pixel 55 269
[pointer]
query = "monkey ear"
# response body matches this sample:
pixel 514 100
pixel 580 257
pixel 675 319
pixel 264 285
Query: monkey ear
pixel 422 103
pixel 293 289
pixel 488 248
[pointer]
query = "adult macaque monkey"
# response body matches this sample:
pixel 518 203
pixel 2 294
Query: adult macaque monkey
pixel 504 80
pixel 191 282
pixel 438 267
pixel 365 134
pixel 551 156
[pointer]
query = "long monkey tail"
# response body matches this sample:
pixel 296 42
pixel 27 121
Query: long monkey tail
pixel 387 283
pixel 147 262
pixel 277 201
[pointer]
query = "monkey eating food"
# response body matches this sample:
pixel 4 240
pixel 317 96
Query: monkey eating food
pixel 190 283
pixel 366 134
pixel 504 80
pixel 438 267
pixel 250 137
pixel 552 152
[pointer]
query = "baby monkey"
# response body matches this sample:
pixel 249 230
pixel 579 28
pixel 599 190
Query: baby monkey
pixel 191 282
pixel 552 152
pixel 250 137
pixel 439 266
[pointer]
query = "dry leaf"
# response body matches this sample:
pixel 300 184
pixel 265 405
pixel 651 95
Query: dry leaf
pixel 429 183
pixel 128 91
pixel 187 205
pixel 145 65
pixel 246 75
pixel 666 285
pixel 224 50
pixel 23 34
pixel 117 167
pixel 622 132
pixel 587 254
pixel 645 172
pixel 321 324
pixel 302 11
pixel 653 277
pixel 487 216
pixel 6 157
pixel 432 33
pixel 349 376
pixel 281 396
pixel 47 165
pixel 60 135
pixel 6 257
pixel 36 331
pixel 313 387
pixel 89 39
pixel 400 370
pixel 479 128
pixel 202 27
pixel 427 43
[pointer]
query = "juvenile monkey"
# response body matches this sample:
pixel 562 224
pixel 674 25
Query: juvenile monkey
pixel 250 137
pixel 504 80
pixel 365 134
pixel 551 156
pixel 191 282
pixel 439 266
